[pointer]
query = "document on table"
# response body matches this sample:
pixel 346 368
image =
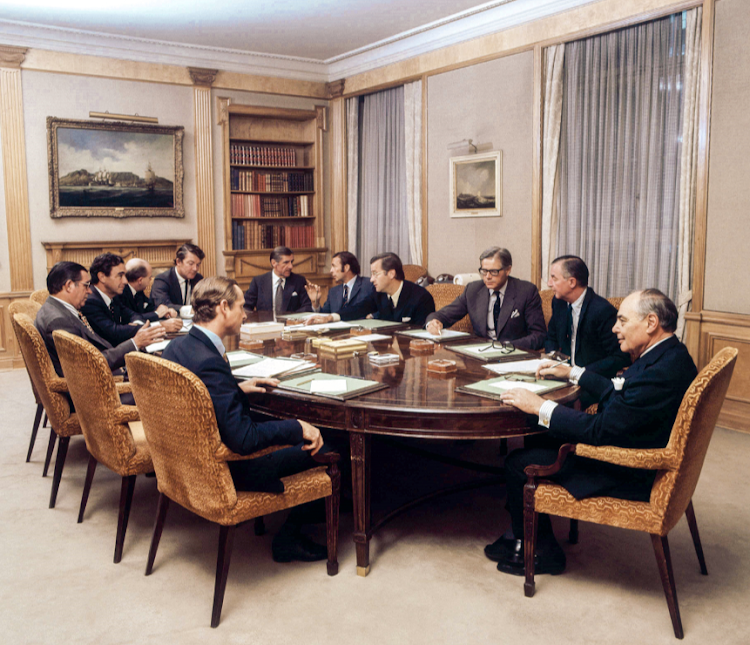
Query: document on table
pixel 240 358
pixel 512 385
pixel 371 338
pixel 333 325
pixel 328 386
pixel 445 334
pixel 157 346
pixel 271 367
pixel 524 367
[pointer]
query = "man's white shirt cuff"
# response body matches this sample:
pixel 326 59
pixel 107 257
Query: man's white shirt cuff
pixel 545 413
pixel 575 374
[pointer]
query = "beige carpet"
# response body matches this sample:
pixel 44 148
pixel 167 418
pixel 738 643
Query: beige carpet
pixel 429 583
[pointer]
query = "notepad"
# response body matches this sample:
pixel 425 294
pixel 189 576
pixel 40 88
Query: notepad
pixel 328 386
pixel 270 367
pixel 513 385
pixel 445 334
pixel 525 367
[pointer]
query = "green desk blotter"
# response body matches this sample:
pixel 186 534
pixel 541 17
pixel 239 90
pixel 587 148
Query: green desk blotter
pixel 373 323
pixel 489 388
pixel 472 351
pixel 354 386
pixel 241 357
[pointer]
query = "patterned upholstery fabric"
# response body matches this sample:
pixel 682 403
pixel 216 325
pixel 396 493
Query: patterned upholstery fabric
pixel 40 296
pixel 444 294
pixel 678 464
pixel 31 309
pixel 189 456
pixel 103 419
pixel 49 386
pixel 546 295
pixel 412 272
pixel 615 302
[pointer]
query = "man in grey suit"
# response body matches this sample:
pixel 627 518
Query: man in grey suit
pixel 69 285
pixel 500 307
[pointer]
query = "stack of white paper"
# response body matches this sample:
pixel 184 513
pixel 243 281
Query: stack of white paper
pixel 271 367
pixel 523 367
pixel 157 346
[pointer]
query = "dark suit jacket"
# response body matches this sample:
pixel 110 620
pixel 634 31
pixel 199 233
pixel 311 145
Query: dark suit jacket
pixel 526 330
pixel 259 294
pixel 360 292
pixel 113 327
pixel 239 431
pixel 139 304
pixel 414 303
pixel 597 348
pixel 54 315
pixel 166 289
pixel 640 415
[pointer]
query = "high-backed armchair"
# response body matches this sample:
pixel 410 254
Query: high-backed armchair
pixel 190 463
pixel 412 272
pixel 104 421
pixel 678 467
pixel 40 296
pixel 446 293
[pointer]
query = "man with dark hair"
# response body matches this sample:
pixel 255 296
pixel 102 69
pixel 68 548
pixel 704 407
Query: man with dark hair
pixel 174 286
pixel 350 289
pixel 581 323
pixel 103 309
pixel 280 290
pixel 218 312
pixel 138 273
pixel 500 307
pixel 68 285
pixel 395 298
pixel 636 410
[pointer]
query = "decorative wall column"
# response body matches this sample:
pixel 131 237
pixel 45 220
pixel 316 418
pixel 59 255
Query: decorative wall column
pixel 14 168
pixel 338 187
pixel 204 171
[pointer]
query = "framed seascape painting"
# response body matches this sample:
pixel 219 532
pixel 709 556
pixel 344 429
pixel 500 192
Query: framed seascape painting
pixel 114 169
pixel 477 185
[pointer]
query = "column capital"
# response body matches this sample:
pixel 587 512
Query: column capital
pixel 202 76
pixel 11 56
pixel 335 89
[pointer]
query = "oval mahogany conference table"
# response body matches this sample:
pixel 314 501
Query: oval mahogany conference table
pixel 417 404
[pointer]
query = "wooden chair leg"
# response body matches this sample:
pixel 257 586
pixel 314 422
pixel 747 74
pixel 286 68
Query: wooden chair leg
pixel 62 452
pixel 50 450
pixel 161 515
pixel 34 428
pixel 332 519
pixel 573 533
pixel 126 499
pixel 664 562
pixel 46 419
pixel 690 514
pixel 87 486
pixel 226 540
pixel 259 526
pixel 529 536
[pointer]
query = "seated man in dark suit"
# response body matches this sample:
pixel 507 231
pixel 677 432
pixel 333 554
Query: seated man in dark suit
pixel 68 285
pixel 350 290
pixel 174 287
pixel 636 410
pixel 103 308
pixel 279 290
pixel 581 323
pixel 218 312
pixel 138 274
pixel 394 298
pixel 500 307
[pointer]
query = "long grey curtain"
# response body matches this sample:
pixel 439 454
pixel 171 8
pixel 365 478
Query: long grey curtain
pixel 620 156
pixel 382 221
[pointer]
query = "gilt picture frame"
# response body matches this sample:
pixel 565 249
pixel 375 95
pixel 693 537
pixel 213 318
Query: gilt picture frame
pixel 477 185
pixel 114 169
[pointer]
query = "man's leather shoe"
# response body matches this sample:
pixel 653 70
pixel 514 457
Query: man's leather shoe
pixel 502 547
pixel 290 547
pixel 550 559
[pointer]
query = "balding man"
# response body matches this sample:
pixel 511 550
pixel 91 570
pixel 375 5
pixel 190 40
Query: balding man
pixel 138 273
pixel 636 410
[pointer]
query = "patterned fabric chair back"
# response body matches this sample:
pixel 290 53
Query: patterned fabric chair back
pixel 444 294
pixel 94 394
pixel 40 296
pixel 180 425
pixel 31 309
pixel 615 302
pixel 413 272
pixel 546 295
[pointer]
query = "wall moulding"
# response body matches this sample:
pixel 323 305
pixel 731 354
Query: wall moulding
pixel 10 355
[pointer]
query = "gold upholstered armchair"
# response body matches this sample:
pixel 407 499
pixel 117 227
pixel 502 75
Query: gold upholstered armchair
pixel 30 308
pixel 412 272
pixel 444 294
pixel 190 463
pixel 40 296
pixel 52 391
pixel 104 421
pixel 678 467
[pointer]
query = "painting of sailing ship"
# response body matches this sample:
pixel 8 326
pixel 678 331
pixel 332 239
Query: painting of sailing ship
pixel 114 169
pixel 476 185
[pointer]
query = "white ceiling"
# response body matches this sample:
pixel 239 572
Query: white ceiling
pixel 307 39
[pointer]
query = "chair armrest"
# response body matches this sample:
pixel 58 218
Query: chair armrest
pixel 58 384
pixel 119 378
pixel 223 453
pixel 644 458
pixel 326 457
pixel 125 413
pixel 545 471
pixel 123 388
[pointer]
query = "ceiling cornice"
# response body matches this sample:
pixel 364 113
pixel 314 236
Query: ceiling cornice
pixel 489 18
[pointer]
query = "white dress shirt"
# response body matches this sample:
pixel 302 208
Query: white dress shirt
pixel 491 331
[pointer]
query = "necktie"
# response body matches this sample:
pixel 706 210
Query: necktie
pixel 112 310
pixel 496 308
pixel 278 304
pixel 85 322
pixel 390 304
pixel 566 345
pixel 346 295
pixel 185 294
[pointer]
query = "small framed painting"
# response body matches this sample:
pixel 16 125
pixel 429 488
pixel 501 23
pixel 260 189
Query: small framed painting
pixel 477 185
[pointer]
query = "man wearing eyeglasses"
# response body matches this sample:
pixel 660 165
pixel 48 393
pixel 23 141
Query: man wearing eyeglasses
pixel 500 307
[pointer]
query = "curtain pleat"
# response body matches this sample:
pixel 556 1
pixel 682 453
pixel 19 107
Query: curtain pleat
pixel 413 163
pixel 352 172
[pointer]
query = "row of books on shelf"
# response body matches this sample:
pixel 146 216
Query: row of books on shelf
pixel 272 182
pixel 261 206
pixel 249 155
pixel 254 235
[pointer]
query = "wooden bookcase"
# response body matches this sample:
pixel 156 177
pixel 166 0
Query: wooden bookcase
pixel 273 188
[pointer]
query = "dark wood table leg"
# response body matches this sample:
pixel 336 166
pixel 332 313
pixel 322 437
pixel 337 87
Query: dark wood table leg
pixel 360 451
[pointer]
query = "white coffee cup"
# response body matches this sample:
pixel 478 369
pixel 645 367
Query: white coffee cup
pixel 186 311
